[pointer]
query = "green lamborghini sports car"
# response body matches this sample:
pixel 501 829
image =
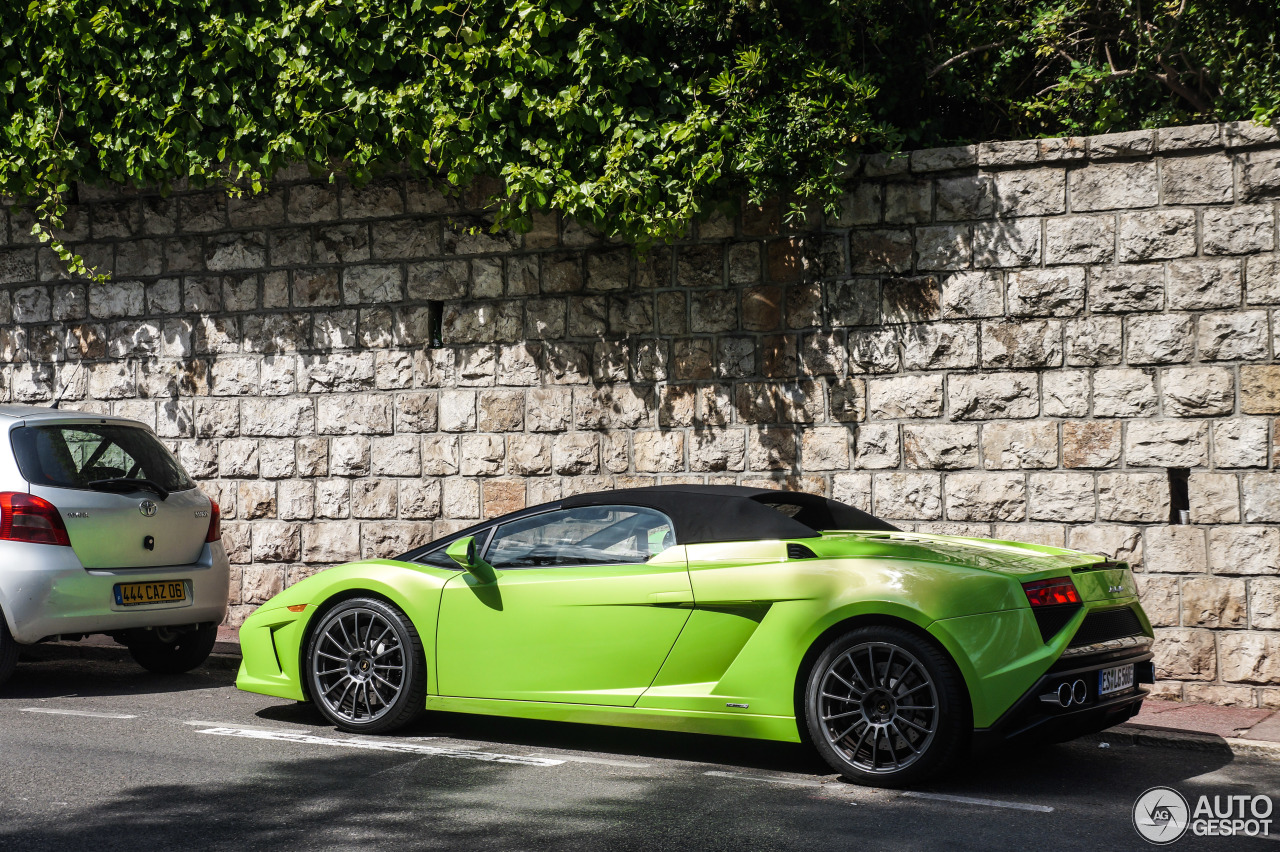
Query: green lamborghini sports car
pixel 719 610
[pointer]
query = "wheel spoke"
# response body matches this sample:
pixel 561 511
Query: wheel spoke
pixel 888 741
pixel 919 728
pixel 320 653
pixel 852 688
pixel 840 715
pixel 915 688
pixel 917 706
pixel 875 747
pixel 888 670
pixel 904 737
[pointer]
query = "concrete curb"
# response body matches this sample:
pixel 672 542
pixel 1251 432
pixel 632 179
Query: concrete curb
pixel 225 656
pixel 1187 740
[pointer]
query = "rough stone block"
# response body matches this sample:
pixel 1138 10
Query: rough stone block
pixel 1031 192
pixel 940 446
pixel 877 447
pixel 1114 186
pixel 771 448
pixel 1007 242
pixel 938 345
pixel 482 455
pixel 1260 390
pixel 905 396
pixel 1249 657
pixel 1093 341
pixel 1239 230
pixel 1126 288
pixel 1261 497
pixel 992 396
pixel 1197 180
pixel 1157 235
pixel 1133 497
pixel 973 294
pixel 1176 550
pixel 1159 339
pixel 1034 343
pixel 1015 446
pixel 1244 550
pixel 985 497
pixel 1167 443
pixel 1198 391
pixel 908 496
pixel 1065 393
pixel 1080 239
pixel 1233 336
pixel 944 247
pixel 966 197
pixel 715 450
pixel 1047 292
pixel 1240 443
pixel 1185 654
pixel 1115 541
pixel 439 455
pixel 1062 497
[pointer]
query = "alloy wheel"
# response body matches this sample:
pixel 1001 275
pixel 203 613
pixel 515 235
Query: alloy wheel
pixel 358 665
pixel 878 707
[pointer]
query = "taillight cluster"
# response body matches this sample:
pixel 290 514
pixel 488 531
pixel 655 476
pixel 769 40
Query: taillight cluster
pixel 26 517
pixel 215 522
pixel 1059 590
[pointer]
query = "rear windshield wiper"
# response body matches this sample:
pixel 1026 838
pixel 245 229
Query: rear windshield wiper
pixel 122 484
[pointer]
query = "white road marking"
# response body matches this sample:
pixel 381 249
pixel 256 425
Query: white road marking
pixel 378 745
pixel 56 712
pixel 968 800
pixel 742 776
pixel 599 760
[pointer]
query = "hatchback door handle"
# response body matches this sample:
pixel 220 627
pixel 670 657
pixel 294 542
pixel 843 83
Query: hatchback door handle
pixel 682 596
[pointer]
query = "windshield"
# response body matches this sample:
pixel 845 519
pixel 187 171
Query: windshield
pixel 76 455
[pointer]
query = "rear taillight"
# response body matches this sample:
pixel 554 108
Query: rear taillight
pixel 215 522
pixel 1059 590
pixel 25 517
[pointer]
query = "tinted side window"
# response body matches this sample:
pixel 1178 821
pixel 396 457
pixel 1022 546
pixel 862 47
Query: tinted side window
pixel 591 535
pixel 74 455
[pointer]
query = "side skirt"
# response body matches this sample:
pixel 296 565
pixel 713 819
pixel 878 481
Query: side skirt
pixel 780 728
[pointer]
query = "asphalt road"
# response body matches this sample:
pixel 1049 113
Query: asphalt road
pixel 100 755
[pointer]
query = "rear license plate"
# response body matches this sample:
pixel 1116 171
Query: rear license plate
pixel 1116 679
pixel 135 594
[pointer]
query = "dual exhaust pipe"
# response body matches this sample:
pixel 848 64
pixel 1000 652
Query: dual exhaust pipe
pixel 1067 694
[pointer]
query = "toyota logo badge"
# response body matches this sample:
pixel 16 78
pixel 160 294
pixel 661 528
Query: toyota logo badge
pixel 147 508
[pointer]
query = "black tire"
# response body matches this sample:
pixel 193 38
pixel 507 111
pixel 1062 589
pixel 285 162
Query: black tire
pixel 168 651
pixel 875 678
pixel 366 652
pixel 8 651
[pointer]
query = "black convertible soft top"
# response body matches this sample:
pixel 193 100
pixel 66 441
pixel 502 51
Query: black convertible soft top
pixel 705 513
pixel 710 513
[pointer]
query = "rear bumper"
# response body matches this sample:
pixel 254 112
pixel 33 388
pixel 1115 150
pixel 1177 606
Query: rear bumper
pixel 1033 719
pixel 45 591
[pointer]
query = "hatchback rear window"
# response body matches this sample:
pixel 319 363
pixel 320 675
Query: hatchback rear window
pixel 78 455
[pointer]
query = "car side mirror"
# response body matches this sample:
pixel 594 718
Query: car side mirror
pixel 463 551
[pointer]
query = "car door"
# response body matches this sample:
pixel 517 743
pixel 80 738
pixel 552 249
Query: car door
pixel 586 606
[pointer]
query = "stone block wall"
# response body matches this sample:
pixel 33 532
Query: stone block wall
pixel 1019 340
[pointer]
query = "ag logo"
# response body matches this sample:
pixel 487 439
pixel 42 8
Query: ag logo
pixel 1161 815
pixel 147 508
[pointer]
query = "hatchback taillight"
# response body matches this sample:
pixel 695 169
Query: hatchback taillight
pixel 25 517
pixel 1059 590
pixel 215 522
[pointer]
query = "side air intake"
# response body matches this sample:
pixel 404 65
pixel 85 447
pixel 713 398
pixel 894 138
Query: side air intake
pixel 799 551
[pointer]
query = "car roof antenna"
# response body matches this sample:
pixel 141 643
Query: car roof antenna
pixel 57 400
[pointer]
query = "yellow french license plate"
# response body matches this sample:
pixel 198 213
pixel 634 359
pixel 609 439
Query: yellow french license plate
pixel 135 594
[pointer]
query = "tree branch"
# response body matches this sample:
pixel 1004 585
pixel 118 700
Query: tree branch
pixel 965 54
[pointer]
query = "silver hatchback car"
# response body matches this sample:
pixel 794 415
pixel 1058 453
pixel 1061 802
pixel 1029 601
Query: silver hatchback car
pixel 102 531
